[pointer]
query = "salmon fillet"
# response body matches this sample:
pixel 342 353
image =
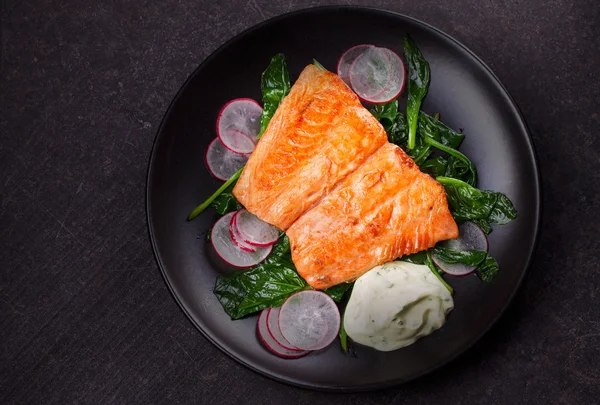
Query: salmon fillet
pixel 385 209
pixel 319 134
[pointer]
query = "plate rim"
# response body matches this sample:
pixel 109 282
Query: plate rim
pixel 373 386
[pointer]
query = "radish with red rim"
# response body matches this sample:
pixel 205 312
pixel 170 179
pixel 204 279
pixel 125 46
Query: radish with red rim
pixel 348 58
pixel 309 320
pixel 221 162
pixel 397 79
pixel 377 75
pixel 275 332
pixel 271 344
pixel 231 253
pixel 236 238
pixel 238 125
pixel 470 237
pixel 253 230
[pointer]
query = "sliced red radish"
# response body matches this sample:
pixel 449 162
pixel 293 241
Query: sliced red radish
pixel 309 320
pixel 253 230
pixel 236 238
pixel 348 58
pixel 238 125
pixel 221 162
pixel 275 332
pixel 470 237
pixel 377 75
pixel 221 240
pixel 371 72
pixel 271 344
pixel 397 79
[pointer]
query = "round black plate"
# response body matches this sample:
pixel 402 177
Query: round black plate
pixel 466 94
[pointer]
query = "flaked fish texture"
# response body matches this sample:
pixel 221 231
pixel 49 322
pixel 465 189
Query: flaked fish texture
pixel 319 134
pixel 349 200
pixel 385 209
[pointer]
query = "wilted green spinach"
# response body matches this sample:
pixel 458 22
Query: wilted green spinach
pixel 468 203
pixel 419 76
pixel 485 263
pixel 275 84
pixel 266 285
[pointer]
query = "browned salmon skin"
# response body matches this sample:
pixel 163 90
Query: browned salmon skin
pixel 385 209
pixel 319 134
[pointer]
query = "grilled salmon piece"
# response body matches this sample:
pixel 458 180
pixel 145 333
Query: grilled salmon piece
pixel 319 134
pixel 385 209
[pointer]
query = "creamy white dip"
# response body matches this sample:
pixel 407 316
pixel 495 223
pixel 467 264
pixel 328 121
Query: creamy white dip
pixel 395 304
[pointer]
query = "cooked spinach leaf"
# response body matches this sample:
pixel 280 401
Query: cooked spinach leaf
pixel 337 291
pixel 398 132
pixel 386 114
pixel 487 266
pixel 483 224
pixel 343 303
pixel 266 285
pixel 435 166
pixel 483 207
pixel 434 128
pixel 437 272
pixel 343 337
pixel 488 269
pixel 415 258
pixel 226 202
pixel 275 86
pixel 462 165
pixel 419 76
pixel 281 250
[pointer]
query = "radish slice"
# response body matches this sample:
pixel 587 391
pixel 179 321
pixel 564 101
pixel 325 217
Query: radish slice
pixel 236 238
pixel 309 320
pixel 221 162
pixel 371 72
pixel 470 237
pixel 271 344
pixel 396 82
pixel 221 240
pixel 238 125
pixel 253 230
pixel 377 75
pixel 348 58
pixel 275 332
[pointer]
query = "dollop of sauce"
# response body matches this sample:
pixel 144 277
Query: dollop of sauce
pixel 395 304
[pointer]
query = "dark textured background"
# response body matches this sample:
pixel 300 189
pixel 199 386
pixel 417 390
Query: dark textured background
pixel 85 316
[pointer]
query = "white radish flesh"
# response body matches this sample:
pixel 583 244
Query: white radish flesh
pixel 370 73
pixel 348 58
pixel 271 344
pixel 470 237
pixel 221 162
pixel 275 332
pixel 236 238
pixel 255 231
pixel 223 244
pixel 397 79
pixel 238 125
pixel 309 320
pixel 377 75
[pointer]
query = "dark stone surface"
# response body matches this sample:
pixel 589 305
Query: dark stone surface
pixel 85 316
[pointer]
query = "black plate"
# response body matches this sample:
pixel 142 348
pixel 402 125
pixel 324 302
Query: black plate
pixel 463 90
